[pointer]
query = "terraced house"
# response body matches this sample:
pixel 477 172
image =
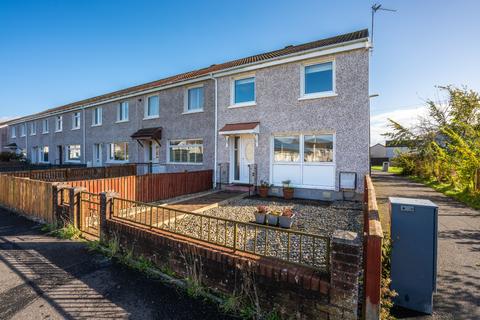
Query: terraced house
pixel 300 113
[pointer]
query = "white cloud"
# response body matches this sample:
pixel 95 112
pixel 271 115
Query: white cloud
pixel 406 117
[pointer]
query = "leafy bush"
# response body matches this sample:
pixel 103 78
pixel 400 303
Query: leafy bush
pixel 6 156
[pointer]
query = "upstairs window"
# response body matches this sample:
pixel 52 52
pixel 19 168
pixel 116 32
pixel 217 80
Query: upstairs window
pixel 22 130
pixel 76 121
pixel 152 107
pixel 244 90
pixel 13 131
pixel 73 152
pixel 33 128
pixel 58 123
pixel 97 117
pixel 45 126
pixel 195 97
pixel 318 79
pixel 122 113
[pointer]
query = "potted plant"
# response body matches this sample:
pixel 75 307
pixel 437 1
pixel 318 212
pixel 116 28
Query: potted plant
pixel 272 217
pixel 260 214
pixel 287 190
pixel 286 219
pixel 263 188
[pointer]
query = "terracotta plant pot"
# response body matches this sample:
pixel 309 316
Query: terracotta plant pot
pixel 286 222
pixel 263 192
pixel 272 220
pixel 260 218
pixel 287 193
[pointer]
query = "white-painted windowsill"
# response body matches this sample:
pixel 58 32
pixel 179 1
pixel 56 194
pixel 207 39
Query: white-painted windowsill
pixel 151 117
pixel 242 105
pixel 193 111
pixel 117 161
pixel 75 128
pixel 46 132
pixel 121 121
pixel 96 125
pixel 186 163
pixel 318 96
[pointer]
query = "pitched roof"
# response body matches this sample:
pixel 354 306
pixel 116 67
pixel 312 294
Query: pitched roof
pixel 357 35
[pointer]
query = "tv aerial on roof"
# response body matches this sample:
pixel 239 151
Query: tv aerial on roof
pixel 376 7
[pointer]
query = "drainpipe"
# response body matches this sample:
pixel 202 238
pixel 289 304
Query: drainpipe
pixel 26 139
pixel 215 133
pixel 84 151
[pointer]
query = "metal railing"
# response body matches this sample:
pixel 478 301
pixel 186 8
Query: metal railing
pixel 284 244
pixel 90 213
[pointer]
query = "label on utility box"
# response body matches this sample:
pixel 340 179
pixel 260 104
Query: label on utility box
pixel 405 208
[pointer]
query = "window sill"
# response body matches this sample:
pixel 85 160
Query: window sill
pixel 33 134
pixel 73 161
pixel 96 125
pixel 193 111
pixel 243 104
pixel 45 132
pixel 317 96
pixel 23 136
pixel 121 121
pixel 151 117
pixel 57 131
pixel 75 128
pixel 186 163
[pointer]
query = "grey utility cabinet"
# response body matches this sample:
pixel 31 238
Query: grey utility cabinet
pixel 414 252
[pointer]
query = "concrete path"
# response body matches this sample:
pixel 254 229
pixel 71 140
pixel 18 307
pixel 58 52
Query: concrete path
pixel 458 278
pixel 46 278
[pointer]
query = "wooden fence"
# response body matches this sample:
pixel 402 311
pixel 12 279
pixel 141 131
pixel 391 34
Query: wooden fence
pixel 151 187
pixel 72 174
pixel 372 252
pixel 32 198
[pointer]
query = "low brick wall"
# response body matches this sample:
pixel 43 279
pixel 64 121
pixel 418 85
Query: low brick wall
pixel 293 291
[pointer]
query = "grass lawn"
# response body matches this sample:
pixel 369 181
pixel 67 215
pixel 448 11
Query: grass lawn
pixel 470 200
pixel 395 170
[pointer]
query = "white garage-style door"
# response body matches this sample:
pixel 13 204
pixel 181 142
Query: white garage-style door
pixel 307 160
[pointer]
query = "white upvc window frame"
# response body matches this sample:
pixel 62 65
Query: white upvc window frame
pixel 41 154
pixel 33 128
pixel 121 111
pixel 301 161
pixel 193 145
pixel 110 157
pixel 186 97
pixel 146 116
pixel 58 128
pixel 13 132
pixel 317 95
pixel 96 110
pixel 232 91
pixel 67 153
pixel 75 116
pixel 23 130
pixel 45 126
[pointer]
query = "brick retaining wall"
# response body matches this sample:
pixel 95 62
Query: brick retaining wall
pixel 294 291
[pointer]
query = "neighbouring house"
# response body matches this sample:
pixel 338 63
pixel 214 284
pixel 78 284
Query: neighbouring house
pixel 394 148
pixel 378 154
pixel 300 113
pixel 3 137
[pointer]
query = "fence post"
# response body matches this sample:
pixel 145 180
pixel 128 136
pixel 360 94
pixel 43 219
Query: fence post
pixel 75 206
pixel 54 202
pixel 105 212
pixel 344 274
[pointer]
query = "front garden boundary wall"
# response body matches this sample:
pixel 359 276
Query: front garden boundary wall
pixel 372 253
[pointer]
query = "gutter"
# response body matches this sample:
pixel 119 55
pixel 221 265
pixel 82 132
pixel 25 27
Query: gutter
pixel 237 69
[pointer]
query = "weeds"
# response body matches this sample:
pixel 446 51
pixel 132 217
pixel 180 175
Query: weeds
pixel 193 266
pixel 387 294
pixel 67 232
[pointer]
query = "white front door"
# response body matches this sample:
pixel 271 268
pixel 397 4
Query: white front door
pixel 97 155
pixel 152 155
pixel 242 155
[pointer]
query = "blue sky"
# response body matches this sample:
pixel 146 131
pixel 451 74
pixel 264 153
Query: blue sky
pixel 56 52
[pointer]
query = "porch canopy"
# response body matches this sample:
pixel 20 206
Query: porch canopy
pixel 11 146
pixel 148 134
pixel 240 128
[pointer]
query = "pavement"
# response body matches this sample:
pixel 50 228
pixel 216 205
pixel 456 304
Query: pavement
pixel 42 277
pixel 458 277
